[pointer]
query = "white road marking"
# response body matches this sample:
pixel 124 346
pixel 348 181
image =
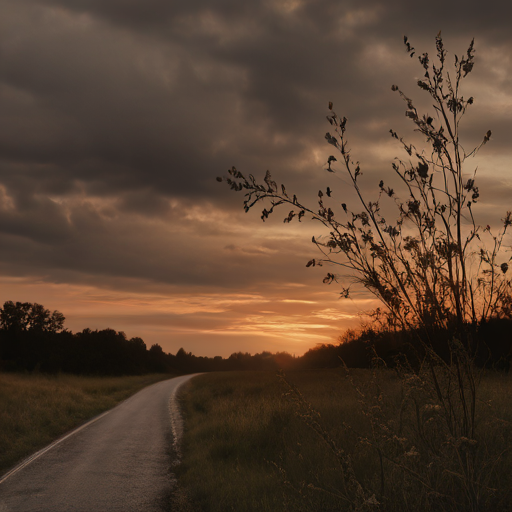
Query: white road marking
pixel 38 454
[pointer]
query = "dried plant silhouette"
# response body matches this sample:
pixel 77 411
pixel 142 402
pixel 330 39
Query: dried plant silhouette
pixel 440 277
pixel 430 266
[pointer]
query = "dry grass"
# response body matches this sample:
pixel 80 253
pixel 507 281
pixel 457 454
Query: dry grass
pixel 250 445
pixel 37 409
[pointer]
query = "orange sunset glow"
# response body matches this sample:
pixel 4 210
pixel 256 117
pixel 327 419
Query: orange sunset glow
pixel 117 117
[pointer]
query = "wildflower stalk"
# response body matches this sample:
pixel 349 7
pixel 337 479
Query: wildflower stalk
pixel 438 273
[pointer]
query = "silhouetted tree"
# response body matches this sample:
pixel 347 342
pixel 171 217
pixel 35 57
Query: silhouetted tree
pixel 24 316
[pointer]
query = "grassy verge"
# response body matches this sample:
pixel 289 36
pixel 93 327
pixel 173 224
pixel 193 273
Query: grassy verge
pixel 37 409
pixel 249 445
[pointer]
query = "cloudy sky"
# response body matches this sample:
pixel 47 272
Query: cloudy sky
pixel 118 115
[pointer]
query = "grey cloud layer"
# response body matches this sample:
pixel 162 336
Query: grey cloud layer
pixel 118 115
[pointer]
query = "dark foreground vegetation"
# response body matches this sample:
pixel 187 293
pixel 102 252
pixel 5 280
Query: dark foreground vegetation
pixel 340 441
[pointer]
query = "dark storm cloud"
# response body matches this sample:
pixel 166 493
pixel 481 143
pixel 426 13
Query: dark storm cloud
pixel 80 239
pixel 93 104
pixel 475 16
pixel 118 115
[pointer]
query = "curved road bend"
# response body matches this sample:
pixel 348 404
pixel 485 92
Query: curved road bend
pixel 120 461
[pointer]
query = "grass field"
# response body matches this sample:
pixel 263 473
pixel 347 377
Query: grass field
pixel 37 409
pixel 251 443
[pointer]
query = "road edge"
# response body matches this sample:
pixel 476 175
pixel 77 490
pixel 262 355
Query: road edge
pixel 31 458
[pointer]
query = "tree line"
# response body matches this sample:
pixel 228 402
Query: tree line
pixel 376 346
pixel 34 339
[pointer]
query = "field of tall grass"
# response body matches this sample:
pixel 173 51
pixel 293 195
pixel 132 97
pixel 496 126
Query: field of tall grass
pixel 37 409
pixel 322 440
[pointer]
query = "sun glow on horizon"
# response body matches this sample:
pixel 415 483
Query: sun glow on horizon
pixel 182 318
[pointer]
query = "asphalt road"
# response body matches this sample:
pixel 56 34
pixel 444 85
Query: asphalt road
pixel 121 461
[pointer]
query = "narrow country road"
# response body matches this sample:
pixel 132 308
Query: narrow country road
pixel 120 461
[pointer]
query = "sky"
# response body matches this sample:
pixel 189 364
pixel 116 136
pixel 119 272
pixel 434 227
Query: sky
pixel 117 117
